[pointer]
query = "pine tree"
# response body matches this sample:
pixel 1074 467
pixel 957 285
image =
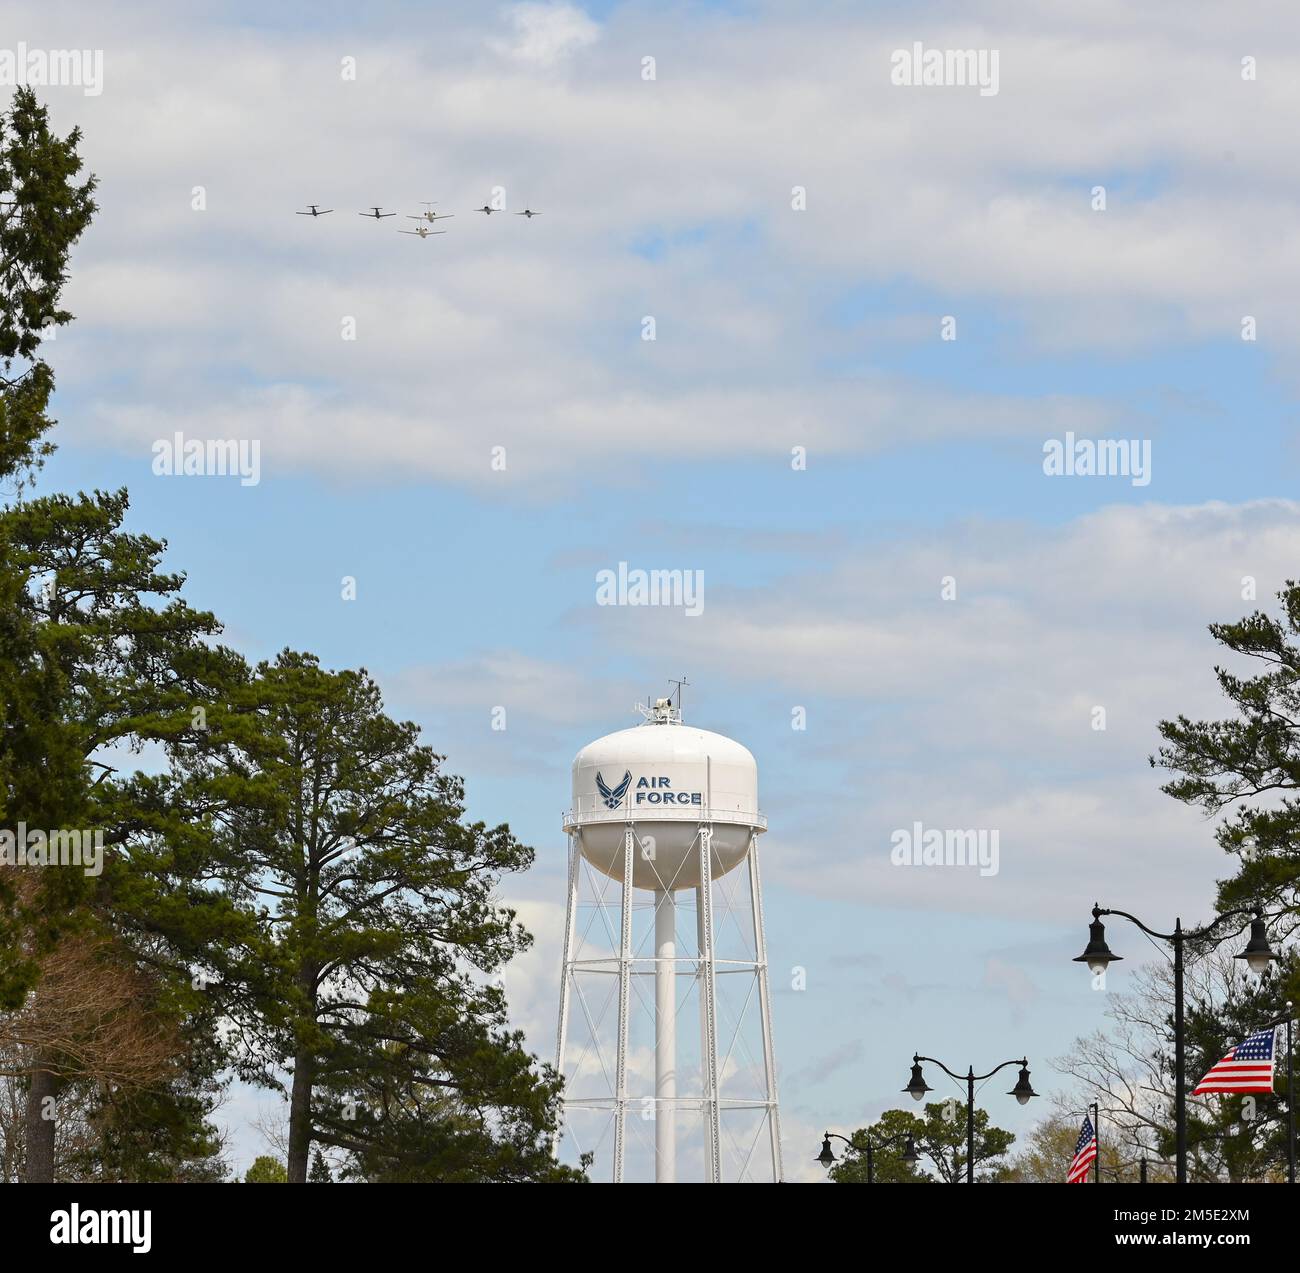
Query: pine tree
pixel 1245 770
pixel 382 929
pixel 265 1171
pixel 43 211
pixel 102 655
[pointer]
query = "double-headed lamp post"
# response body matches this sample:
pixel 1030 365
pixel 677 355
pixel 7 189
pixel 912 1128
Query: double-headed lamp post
pixel 1257 955
pixel 917 1087
pixel 909 1154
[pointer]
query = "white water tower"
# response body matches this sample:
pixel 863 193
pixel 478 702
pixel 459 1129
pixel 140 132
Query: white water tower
pixel 674 810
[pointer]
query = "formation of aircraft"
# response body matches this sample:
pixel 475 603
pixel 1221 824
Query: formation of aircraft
pixel 426 218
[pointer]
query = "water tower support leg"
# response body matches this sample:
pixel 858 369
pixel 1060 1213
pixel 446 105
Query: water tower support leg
pixel 708 998
pixel 765 1009
pixel 566 970
pixel 665 1037
pixel 624 1007
pixel 700 947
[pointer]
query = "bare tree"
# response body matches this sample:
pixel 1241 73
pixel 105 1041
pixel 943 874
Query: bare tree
pixel 91 1021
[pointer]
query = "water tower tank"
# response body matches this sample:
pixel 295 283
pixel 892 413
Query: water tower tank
pixel 668 778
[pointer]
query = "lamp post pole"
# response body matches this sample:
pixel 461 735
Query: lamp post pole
pixel 918 1087
pixel 1098 956
pixel 826 1157
pixel 1290 1093
pixel 1180 1060
pixel 1142 1168
pixel 1290 1102
pixel 1096 1135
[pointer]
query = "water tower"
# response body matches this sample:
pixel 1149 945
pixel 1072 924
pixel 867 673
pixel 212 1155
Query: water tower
pixel 665 1032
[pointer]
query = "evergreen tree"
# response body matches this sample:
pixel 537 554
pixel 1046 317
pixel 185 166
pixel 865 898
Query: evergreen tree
pixel 162 1132
pixel 43 211
pixel 1236 1138
pixel 86 654
pixel 381 928
pixel 104 657
pixel 266 1171
pixel 1245 770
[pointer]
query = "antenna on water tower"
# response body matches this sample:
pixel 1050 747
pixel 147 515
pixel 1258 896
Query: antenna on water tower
pixel 679 684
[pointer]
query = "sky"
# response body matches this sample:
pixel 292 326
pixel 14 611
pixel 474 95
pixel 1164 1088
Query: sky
pixel 873 306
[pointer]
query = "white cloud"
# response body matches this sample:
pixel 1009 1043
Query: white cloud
pixel 669 198
pixel 994 692
pixel 546 33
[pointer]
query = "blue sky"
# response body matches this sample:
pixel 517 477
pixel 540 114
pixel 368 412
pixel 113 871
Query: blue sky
pixel 775 328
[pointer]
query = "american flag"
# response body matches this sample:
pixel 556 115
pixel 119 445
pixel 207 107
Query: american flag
pixel 1247 1068
pixel 1084 1153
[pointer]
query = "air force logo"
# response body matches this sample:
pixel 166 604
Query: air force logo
pixel 613 798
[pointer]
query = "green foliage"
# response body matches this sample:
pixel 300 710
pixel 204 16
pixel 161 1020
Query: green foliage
pixel 379 927
pixel 43 212
pixel 98 651
pixel 163 1134
pixel 1236 1138
pixel 889 1168
pixel 1245 770
pixel 266 1171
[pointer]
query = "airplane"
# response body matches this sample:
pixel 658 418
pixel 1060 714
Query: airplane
pixel 315 211
pixel 422 230
pixel 430 215
pixel 487 210
pixel 376 214
pixel 528 212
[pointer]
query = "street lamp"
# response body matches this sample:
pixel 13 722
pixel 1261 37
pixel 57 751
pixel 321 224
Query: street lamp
pixel 1023 1089
pixel 1258 954
pixel 1099 956
pixel 908 1156
pixel 917 1087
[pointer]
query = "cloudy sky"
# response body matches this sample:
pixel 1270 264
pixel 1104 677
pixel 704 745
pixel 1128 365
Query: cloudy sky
pixel 804 234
